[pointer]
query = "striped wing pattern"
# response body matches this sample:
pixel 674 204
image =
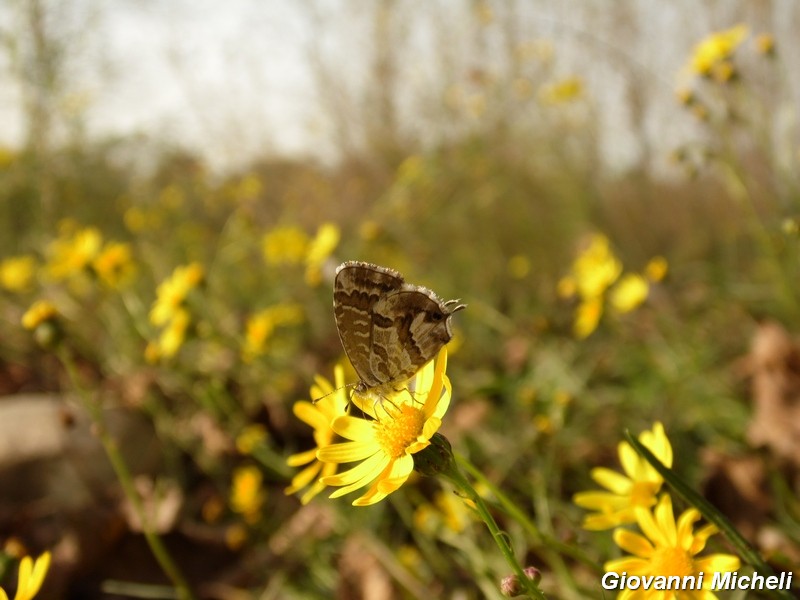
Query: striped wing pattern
pixel 389 329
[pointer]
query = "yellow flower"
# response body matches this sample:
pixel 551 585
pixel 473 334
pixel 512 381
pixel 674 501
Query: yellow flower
pixel 328 403
pixel 562 91
pixel 656 268
pixel 114 265
pixel 173 335
pixel 403 423
pixel 669 549
pixel 629 293
pixel 596 268
pixel 72 254
pixel 247 493
pixel 260 327
pixel 587 317
pixel 31 576
pixel 39 312
pixel 638 489
pixel 16 273
pixel 171 292
pixel 319 250
pixel 250 438
pixel 285 245
pixel 715 49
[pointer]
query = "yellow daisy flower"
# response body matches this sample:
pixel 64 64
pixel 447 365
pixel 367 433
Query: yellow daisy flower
pixel 329 402
pixel 260 327
pixel 285 245
pixel 114 266
pixel 31 576
pixel 669 549
pixel 587 317
pixel 16 273
pixel 637 488
pixel 71 254
pixel 403 424
pixel 247 493
pixel 629 293
pixel 716 49
pixel 39 312
pixel 596 268
pixel 319 250
pixel 171 292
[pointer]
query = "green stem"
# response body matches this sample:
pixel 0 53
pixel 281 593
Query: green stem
pixel 541 539
pixel 457 478
pixel 123 474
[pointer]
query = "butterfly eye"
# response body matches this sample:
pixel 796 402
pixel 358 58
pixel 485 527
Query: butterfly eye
pixel 437 316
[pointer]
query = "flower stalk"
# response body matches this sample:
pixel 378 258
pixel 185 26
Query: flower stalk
pixel 123 474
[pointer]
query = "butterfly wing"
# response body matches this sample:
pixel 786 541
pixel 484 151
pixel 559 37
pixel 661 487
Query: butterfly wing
pixel 357 288
pixel 409 327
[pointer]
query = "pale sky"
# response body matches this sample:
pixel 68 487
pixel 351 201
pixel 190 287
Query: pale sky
pixel 232 78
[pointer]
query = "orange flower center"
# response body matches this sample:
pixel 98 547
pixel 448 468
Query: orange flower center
pixel 398 432
pixel 672 561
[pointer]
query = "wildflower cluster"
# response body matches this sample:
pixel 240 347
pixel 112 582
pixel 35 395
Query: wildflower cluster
pixel 596 274
pixel 82 251
pixel 668 547
pixel 291 245
pixel 396 424
pixel 714 60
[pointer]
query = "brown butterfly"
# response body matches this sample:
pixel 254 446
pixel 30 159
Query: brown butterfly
pixel 389 328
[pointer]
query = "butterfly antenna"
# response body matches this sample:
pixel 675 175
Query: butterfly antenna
pixel 347 385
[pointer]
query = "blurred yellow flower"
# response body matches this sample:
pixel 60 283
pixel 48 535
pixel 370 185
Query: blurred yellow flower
pixel 716 48
pixel 328 403
pixel 596 268
pixel 16 273
pixel 173 335
pixel 260 327
pixel 250 438
pixel 669 549
pixel 320 248
pixel 629 293
pixel 285 245
pixel 114 266
pixel 656 269
pixel 247 494
pixel 71 254
pixel 39 312
pixel 172 292
pixel 384 446
pixel 637 488
pixel 30 578
pixel 587 317
pixel 560 92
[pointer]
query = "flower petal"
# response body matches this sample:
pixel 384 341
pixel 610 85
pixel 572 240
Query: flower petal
pixel 348 451
pixel 633 543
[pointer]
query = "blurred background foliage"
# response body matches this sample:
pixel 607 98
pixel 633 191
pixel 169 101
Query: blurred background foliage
pixel 485 182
